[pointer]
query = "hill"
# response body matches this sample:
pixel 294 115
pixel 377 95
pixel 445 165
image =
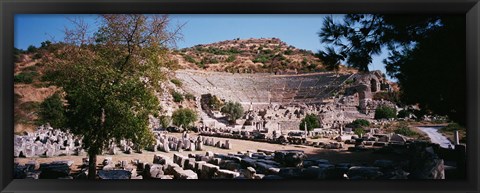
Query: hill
pixel 266 55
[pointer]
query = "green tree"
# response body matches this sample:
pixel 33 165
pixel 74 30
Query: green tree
pixel 110 79
pixel 32 49
pixel 233 110
pixel 426 55
pixel 184 117
pixel 165 121
pixel 385 112
pixel 312 122
pixel 52 111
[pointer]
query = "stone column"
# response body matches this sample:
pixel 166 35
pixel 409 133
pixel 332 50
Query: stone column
pixel 456 138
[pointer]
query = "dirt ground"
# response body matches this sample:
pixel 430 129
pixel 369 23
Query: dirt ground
pixel 334 156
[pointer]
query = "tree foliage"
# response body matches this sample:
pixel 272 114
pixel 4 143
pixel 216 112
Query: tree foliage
pixel 165 121
pixel 110 78
pixel 184 117
pixel 52 111
pixel 312 122
pixel 426 55
pixel 385 112
pixel 233 110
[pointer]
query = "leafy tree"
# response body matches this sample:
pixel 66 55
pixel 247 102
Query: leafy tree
pixel 184 117
pixel 52 111
pixel 32 49
pixel 165 121
pixel 233 110
pixel 426 55
pixel 385 112
pixel 312 122
pixel 110 79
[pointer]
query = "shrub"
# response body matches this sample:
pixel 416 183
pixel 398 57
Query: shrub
pixel 406 131
pixel 231 58
pixel 177 97
pixel 189 58
pixel 452 127
pixel 359 123
pixel 288 52
pixel 233 110
pixel 25 77
pixel 215 103
pixel 30 68
pixel 165 121
pixel 52 111
pixel 184 117
pixel 50 75
pixel 359 131
pixel 189 96
pixel 385 112
pixel 176 82
pixel 404 113
pixel 32 49
pixel 312 122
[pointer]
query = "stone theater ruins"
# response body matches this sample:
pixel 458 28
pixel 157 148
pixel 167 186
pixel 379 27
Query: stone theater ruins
pixel 245 109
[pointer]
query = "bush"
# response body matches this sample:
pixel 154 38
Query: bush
pixel 52 111
pixel 50 75
pixel 176 82
pixel 312 122
pixel 359 123
pixel 30 68
pixel 215 103
pixel 288 52
pixel 385 112
pixel 359 131
pixel 403 129
pixel 233 110
pixel 404 113
pixel 165 121
pixel 177 97
pixel 189 58
pixel 452 127
pixel 25 77
pixel 231 58
pixel 189 96
pixel 184 117
pixel 32 49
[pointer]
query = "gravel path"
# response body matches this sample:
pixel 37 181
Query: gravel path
pixel 436 137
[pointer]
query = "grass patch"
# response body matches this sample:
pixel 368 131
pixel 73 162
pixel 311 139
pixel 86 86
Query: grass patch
pixel 176 82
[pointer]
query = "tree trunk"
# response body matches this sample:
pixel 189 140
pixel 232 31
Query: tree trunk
pixel 92 166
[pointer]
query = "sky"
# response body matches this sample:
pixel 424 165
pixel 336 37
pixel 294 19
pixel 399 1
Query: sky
pixel 294 29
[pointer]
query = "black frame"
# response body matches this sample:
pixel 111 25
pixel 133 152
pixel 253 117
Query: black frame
pixel 8 8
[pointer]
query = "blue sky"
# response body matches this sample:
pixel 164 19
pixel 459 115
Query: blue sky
pixel 297 30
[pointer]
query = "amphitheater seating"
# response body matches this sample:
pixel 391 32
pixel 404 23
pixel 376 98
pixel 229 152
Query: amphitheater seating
pixel 262 88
